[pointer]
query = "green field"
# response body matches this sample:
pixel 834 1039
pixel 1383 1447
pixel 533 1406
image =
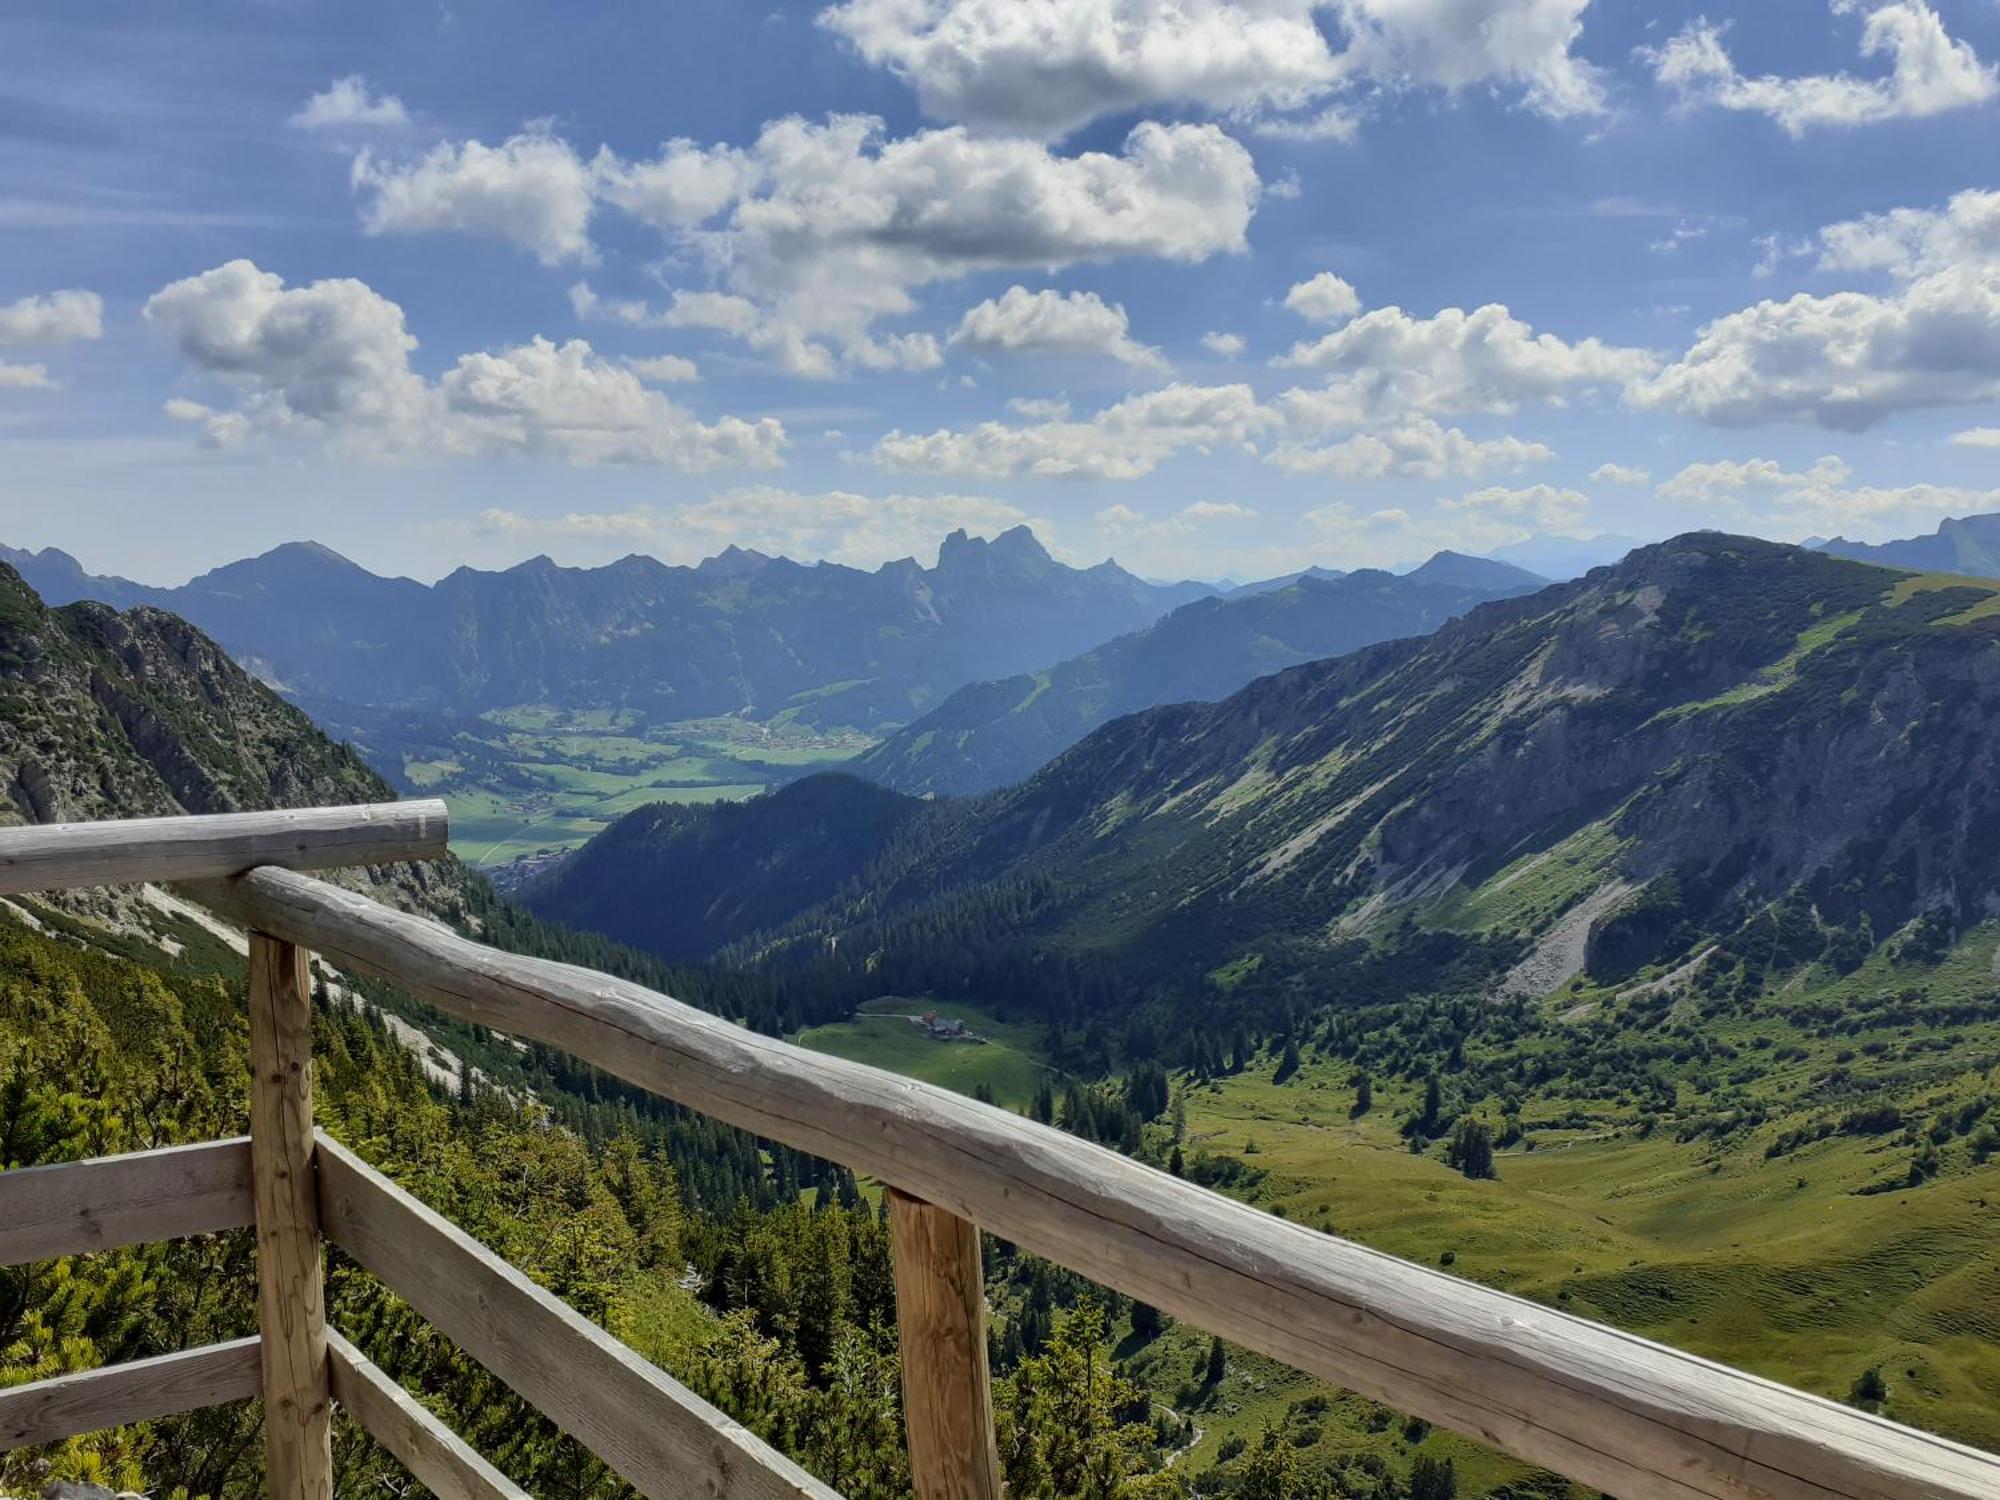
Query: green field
pixel 1807 1260
pixel 1005 1059
pixel 534 780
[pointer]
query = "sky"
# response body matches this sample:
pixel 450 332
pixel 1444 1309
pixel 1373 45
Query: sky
pixel 1217 287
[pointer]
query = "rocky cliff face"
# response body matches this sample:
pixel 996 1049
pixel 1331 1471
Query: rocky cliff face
pixel 104 714
pixel 123 715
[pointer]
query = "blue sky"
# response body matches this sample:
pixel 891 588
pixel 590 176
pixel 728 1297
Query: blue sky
pixel 1218 286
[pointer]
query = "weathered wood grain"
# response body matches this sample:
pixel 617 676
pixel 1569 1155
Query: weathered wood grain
pixel 941 1320
pixel 291 1293
pixel 58 856
pixel 45 1411
pixel 665 1440
pixel 72 1208
pixel 438 1458
pixel 1607 1408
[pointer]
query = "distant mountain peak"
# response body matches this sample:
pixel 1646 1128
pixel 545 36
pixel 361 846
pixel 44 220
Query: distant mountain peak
pixel 733 562
pixel 1017 545
pixel 1461 571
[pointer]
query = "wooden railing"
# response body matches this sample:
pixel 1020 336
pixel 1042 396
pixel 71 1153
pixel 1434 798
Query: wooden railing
pixel 1611 1410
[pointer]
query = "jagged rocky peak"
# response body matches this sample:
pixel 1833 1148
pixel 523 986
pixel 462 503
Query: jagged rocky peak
pixel 1017 547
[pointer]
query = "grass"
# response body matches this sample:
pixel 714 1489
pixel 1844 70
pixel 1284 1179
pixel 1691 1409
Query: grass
pixel 536 779
pixel 1008 1061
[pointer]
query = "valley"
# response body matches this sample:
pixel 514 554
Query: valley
pixel 527 785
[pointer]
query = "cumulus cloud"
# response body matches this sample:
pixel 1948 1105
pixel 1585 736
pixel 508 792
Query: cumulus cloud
pixel 348 104
pixel 19 377
pixel 1912 242
pixel 1046 67
pixel 1977 437
pixel 1416 448
pixel 1849 360
pixel 1125 441
pixel 818 230
pixel 56 318
pixel 1726 481
pixel 330 361
pixel 1620 474
pixel 1542 507
pixel 1227 345
pixel 1846 361
pixel 1324 299
pixel 665 369
pixel 1386 362
pixel 1930 73
pixel 1817 500
pixel 838 525
pixel 1050 322
pixel 531 189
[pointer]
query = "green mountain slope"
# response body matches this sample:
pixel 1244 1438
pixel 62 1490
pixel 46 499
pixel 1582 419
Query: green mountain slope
pixel 1742 716
pixel 993 733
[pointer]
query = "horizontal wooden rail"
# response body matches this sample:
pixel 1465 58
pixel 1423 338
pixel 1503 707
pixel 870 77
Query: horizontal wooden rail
pixel 1607 1408
pixel 60 856
pixel 70 1208
pixel 46 1411
pixel 438 1458
pixel 664 1439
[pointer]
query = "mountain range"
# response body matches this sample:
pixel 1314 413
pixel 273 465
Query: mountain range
pixel 1595 773
pixel 989 734
pixel 1967 545
pixel 741 633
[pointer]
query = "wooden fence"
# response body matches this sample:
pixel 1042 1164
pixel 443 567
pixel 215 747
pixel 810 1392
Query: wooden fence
pixel 1611 1410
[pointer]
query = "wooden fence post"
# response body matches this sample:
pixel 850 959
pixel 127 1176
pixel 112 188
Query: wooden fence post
pixel 941 1315
pixel 291 1294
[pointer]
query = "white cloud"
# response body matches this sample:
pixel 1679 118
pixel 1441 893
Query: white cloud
pixel 1543 507
pixel 1620 474
pixel 57 318
pixel 531 189
pixel 1039 408
pixel 1913 242
pixel 1818 500
pixel 840 526
pixel 1849 360
pixel 817 231
pixel 1046 67
pixel 347 104
pixel 1977 437
pixel 1227 345
pixel 1387 362
pixel 1050 322
pixel 665 369
pixel 14 377
pixel 1324 299
pixel 1725 481
pixel 331 361
pixel 1217 510
pixel 1415 448
pixel 1846 361
pixel 1457 44
pixel 1930 73
pixel 1125 441
pixel 685 185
